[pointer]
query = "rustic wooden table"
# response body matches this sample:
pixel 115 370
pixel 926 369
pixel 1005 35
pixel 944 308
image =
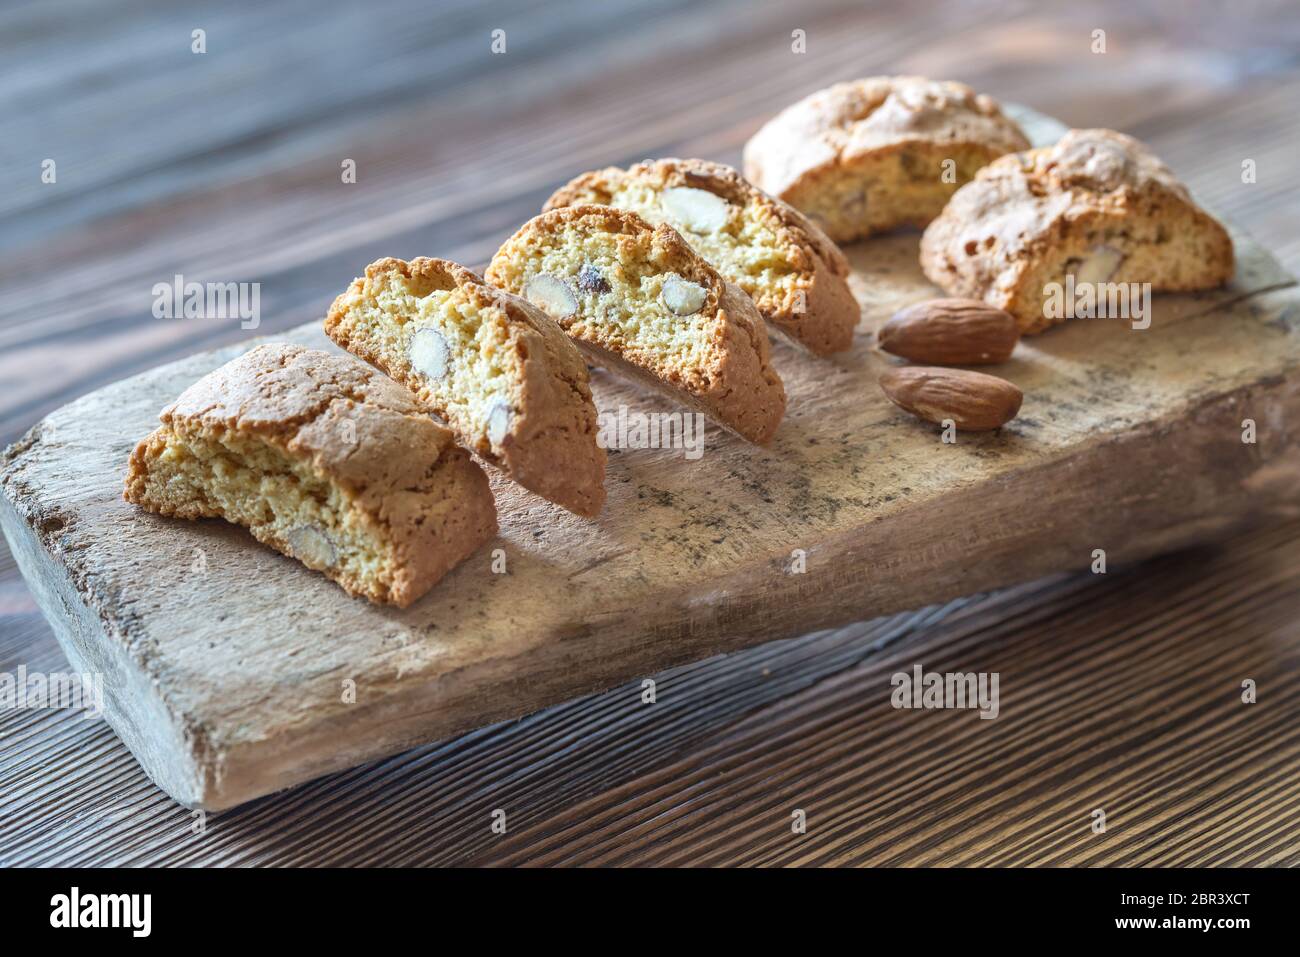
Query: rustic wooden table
pixel 225 166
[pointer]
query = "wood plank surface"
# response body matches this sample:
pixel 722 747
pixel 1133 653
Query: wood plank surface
pixel 229 190
pixel 227 679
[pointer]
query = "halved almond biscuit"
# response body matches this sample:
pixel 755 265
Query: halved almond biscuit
pixel 637 297
pixel 324 460
pixel 868 156
pixel 796 276
pixel 1098 206
pixel 496 369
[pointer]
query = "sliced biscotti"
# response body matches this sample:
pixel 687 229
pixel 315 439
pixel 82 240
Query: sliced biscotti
pixel 796 276
pixel 637 297
pixel 1097 206
pixel 325 460
pixel 874 154
pixel 498 370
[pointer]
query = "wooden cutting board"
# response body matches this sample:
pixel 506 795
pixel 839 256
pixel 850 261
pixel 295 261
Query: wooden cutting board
pixel 230 671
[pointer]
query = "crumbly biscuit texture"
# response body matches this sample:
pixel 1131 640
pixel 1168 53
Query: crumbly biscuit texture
pixel 875 154
pixel 1097 206
pixel 636 297
pixel 324 460
pixel 497 369
pixel 796 276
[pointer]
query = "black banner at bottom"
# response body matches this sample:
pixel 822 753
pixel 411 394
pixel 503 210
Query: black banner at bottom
pixel 221 907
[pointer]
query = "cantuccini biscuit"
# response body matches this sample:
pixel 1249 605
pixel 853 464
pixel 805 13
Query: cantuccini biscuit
pixel 796 276
pixel 324 460
pixel 1098 206
pixel 871 155
pixel 638 298
pixel 498 370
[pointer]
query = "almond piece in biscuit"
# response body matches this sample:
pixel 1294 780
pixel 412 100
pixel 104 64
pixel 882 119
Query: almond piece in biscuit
pixel 497 369
pixel 868 156
pixel 636 297
pixel 325 460
pixel 1098 206
pixel 796 276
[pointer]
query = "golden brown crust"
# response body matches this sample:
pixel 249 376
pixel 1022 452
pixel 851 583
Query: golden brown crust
pixel 400 474
pixel 814 308
pixel 824 153
pixel 550 446
pixel 1027 216
pixel 735 382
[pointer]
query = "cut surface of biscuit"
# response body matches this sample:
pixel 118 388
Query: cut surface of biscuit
pixel 875 154
pixel 1098 206
pixel 796 276
pixel 324 460
pixel 498 370
pixel 638 298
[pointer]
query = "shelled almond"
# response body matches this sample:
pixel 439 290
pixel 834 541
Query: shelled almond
pixel 950 332
pixel 973 401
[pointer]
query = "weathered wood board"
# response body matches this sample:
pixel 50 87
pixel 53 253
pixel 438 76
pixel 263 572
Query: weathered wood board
pixel 226 676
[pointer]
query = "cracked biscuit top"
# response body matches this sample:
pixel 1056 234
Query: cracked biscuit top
pixel 291 395
pixel 873 154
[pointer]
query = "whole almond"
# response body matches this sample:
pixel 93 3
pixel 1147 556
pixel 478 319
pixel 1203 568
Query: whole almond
pixel 974 401
pixel 958 332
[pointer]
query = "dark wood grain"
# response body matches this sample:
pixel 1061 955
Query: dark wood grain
pixel 1121 691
